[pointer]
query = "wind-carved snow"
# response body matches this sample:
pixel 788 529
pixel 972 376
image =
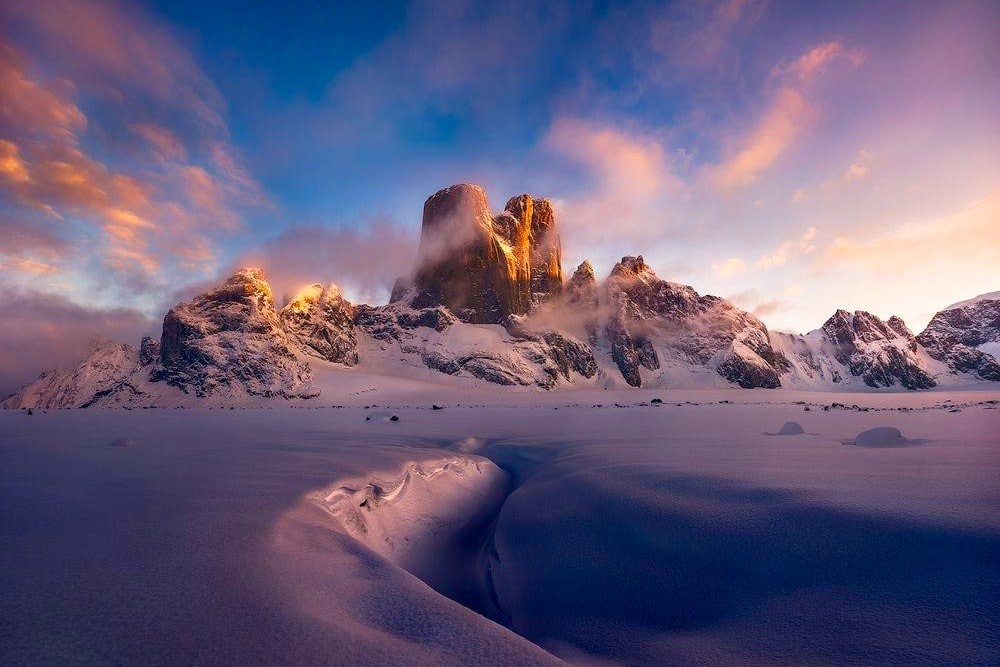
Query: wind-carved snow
pixel 430 518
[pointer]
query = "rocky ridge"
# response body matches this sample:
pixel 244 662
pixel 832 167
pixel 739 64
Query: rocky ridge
pixel 486 301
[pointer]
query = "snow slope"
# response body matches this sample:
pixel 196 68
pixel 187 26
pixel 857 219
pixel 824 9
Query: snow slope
pixel 666 534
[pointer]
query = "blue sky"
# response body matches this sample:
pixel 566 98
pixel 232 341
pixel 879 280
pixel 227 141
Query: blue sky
pixel 796 157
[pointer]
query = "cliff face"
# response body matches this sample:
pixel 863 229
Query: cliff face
pixel 537 248
pixel 485 268
pixel 649 313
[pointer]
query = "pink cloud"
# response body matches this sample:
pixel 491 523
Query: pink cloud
pixel 43 331
pixel 789 114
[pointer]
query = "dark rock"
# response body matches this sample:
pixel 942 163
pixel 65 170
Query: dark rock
pixel 149 351
pixel 880 353
pixel 485 268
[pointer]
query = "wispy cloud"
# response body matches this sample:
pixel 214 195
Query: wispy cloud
pixel 145 199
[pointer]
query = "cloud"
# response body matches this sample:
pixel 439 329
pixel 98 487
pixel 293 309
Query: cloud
pixel 629 183
pixel 364 261
pixel 697 35
pixel 727 268
pixel 961 243
pixel 859 168
pixel 146 201
pixel 812 63
pixel 757 304
pixel 44 331
pixel 788 114
pixel 805 244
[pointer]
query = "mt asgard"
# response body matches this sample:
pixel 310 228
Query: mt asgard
pixel 487 302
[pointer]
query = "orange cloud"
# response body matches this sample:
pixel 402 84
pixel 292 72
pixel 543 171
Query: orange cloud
pixel 158 210
pixel 789 114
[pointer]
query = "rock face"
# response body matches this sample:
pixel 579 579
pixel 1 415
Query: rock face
pixel 649 313
pixel 463 264
pixel 881 353
pixel 229 341
pixel 108 369
pixel 536 246
pixel 149 351
pixel 484 268
pixel 582 296
pixel 966 337
pixel 321 322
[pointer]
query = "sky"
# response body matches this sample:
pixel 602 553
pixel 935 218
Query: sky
pixel 794 157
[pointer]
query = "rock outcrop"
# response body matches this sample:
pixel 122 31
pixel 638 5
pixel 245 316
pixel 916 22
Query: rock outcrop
pixel 966 337
pixel 149 351
pixel 484 268
pixel 537 248
pixel 880 353
pixel 321 322
pixel 229 341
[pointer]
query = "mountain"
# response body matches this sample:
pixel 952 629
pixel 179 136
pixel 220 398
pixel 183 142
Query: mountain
pixel 966 336
pixel 109 369
pixel 651 317
pixel 486 303
pixel 229 341
pixel 321 323
pixel 857 349
pixel 484 268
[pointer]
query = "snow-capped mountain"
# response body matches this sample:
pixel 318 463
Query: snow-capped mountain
pixel 857 349
pixel 229 340
pixel 966 336
pixel 104 376
pixel 486 303
pixel 650 318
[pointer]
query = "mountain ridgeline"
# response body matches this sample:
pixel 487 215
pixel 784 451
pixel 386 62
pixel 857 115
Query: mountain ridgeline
pixel 487 303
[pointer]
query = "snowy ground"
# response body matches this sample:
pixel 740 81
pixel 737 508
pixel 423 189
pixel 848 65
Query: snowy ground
pixel 644 534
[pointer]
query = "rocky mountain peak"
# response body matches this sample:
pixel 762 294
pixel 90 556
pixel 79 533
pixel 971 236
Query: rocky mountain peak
pixel 882 353
pixel 486 268
pixel 966 336
pixel 632 267
pixel 229 340
pixel 321 322
pixel 581 288
pixel 536 244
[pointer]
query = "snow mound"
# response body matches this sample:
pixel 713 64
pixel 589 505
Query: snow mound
pixel 790 428
pixel 881 436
